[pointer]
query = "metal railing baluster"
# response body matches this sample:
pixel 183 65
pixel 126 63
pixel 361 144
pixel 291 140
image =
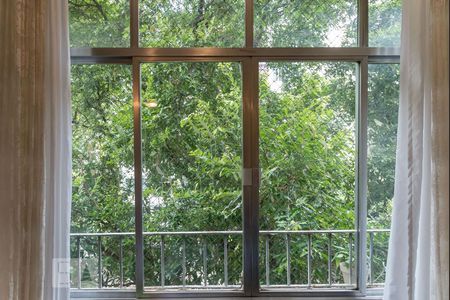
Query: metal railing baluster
pixel 205 267
pixel 309 260
pixel 163 263
pixel 267 260
pixel 371 258
pixel 121 260
pixel 288 259
pixel 329 260
pixel 225 260
pixel 183 250
pixel 100 267
pixel 78 263
pixel 350 251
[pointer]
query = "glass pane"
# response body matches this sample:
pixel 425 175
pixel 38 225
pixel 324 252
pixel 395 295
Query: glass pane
pixel 385 22
pixel 187 23
pixel 102 176
pixel 305 23
pixel 191 131
pixel 99 23
pixel 384 87
pixel 307 159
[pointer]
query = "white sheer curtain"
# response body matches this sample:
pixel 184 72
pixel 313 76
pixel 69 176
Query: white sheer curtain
pixel 35 150
pixel 418 263
pixel 57 150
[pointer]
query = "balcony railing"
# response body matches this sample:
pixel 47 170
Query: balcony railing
pixel 89 251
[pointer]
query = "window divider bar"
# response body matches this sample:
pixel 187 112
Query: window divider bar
pixel 138 177
pixel 361 175
pixel 321 53
pixel 363 23
pixel 249 21
pixel 250 151
pixel 134 23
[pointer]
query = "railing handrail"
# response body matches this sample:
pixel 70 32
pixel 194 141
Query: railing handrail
pixel 222 232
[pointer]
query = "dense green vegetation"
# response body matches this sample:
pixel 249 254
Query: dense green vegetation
pixel 192 139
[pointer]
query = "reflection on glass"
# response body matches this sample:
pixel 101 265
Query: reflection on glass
pixel 102 174
pixel 310 23
pixel 191 174
pixel 187 23
pixel 307 156
pixel 385 21
pixel 101 23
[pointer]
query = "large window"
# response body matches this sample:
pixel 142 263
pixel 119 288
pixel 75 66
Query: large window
pixel 232 147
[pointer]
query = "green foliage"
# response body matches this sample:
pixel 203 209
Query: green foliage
pixel 99 23
pixel 384 23
pixel 307 152
pixel 192 145
pixel 382 132
pixel 187 23
pixel 103 187
pixel 311 23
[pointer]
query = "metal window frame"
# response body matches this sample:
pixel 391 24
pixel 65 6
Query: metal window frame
pixel 249 57
pixel 140 288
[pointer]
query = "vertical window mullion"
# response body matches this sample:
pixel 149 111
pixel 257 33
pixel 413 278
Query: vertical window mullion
pixel 134 23
pixel 363 23
pixel 249 21
pixel 250 175
pixel 139 276
pixel 361 175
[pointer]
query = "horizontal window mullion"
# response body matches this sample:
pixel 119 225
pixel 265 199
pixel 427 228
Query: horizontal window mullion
pixel 78 53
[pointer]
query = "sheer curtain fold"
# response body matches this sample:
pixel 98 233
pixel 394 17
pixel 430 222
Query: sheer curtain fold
pixel 417 267
pixel 35 175
pixel 57 150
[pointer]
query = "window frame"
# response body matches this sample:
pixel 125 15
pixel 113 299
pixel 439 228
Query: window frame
pixel 249 57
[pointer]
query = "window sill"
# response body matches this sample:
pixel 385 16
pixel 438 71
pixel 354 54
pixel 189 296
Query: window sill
pixel 372 294
pixel 246 298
